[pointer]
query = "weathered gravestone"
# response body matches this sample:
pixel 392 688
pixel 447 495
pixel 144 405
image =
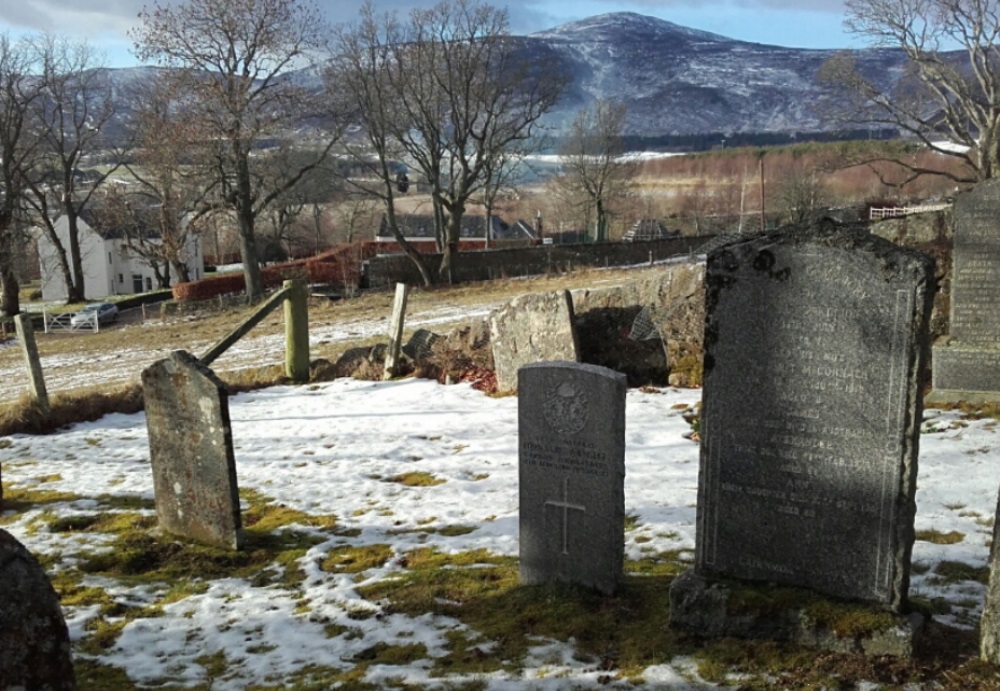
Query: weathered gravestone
pixel 967 364
pixel 571 474
pixel 532 328
pixel 989 626
pixel 191 448
pixel 34 641
pixel 814 342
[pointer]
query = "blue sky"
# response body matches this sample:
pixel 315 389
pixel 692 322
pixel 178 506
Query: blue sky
pixel 798 23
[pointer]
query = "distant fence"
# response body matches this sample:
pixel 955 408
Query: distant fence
pixel 386 270
pixel 876 214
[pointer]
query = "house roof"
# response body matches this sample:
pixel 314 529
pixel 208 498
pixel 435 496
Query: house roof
pixel 142 222
pixel 646 229
pixel 421 226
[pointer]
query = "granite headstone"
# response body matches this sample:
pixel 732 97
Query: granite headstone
pixel 191 449
pixel 571 471
pixel 967 363
pixel 34 640
pixel 532 328
pixel 815 340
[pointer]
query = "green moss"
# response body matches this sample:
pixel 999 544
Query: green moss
pixel 416 479
pixel 667 563
pixel 94 675
pixel 19 500
pixel 955 571
pixel 357 559
pixel 939 538
pixel 631 522
pixel 102 523
pixel 215 664
pixel 385 654
pixel 847 619
pixel 447 530
pixel 484 592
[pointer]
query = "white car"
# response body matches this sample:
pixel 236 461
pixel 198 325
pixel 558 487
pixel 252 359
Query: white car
pixel 105 312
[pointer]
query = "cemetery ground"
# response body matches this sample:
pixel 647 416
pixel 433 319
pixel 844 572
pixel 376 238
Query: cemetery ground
pixel 381 523
pixel 382 539
pixel 83 370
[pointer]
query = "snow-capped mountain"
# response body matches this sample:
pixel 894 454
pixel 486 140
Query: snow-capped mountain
pixel 675 80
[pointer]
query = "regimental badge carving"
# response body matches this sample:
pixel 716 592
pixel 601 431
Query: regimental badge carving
pixel 566 408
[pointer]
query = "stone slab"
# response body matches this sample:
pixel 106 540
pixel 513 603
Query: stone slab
pixel 719 609
pixel 975 281
pixel 532 328
pixel 191 449
pixel 571 474
pixel 965 373
pixel 814 341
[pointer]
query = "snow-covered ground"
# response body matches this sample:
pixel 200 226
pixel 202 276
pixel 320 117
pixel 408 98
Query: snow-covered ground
pixel 328 449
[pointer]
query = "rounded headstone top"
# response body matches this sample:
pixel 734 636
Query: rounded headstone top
pixel 34 641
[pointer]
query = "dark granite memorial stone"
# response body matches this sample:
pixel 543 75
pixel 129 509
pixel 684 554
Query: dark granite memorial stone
pixel 811 410
pixel 571 429
pixel 967 365
pixel 34 641
pixel 191 449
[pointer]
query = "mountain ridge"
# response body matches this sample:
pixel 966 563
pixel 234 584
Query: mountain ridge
pixel 675 80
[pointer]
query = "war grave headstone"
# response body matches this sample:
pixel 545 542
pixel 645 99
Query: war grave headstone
pixel 966 365
pixel 191 449
pixel 34 640
pixel 814 342
pixel 571 474
pixel 532 328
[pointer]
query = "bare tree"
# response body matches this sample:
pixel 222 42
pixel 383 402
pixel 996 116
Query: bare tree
pixel 19 147
pixel 361 76
pixel 463 64
pixel 72 116
pixel 169 189
pixel 231 57
pixel 802 194
pixel 459 97
pixel 594 161
pixel 945 98
pixel 356 213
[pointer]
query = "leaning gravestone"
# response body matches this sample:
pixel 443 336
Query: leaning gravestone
pixel 532 328
pixel 814 343
pixel 191 448
pixel 34 641
pixel 571 474
pixel 967 364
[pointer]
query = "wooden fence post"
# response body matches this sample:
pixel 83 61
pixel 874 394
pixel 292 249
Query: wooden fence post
pixel 396 331
pixel 296 331
pixel 26 337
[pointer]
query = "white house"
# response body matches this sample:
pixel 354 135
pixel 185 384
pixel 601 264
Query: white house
pixel 109 267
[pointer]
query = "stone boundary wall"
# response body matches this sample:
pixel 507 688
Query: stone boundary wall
pixel 387 270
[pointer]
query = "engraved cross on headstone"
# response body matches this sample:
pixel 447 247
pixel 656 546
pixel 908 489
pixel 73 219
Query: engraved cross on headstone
pixel 565 505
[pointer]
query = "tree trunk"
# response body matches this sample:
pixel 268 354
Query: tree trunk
pixel 452 235
pixel 76 290
pixel 10 300
pixel 181 271
pixel 61 258
pixel 408 249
